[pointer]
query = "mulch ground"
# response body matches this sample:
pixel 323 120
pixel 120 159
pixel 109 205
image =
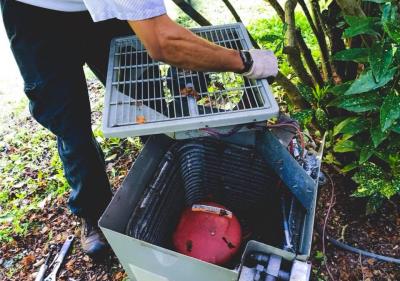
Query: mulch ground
pixel 379 233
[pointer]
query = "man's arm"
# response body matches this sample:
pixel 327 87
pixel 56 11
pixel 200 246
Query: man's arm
pixel 167 41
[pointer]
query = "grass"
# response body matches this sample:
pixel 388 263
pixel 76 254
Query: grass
pixel 31 171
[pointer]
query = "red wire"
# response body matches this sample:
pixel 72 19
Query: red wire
pixel 298 131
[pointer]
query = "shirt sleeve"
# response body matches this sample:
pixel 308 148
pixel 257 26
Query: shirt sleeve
pixel 125 9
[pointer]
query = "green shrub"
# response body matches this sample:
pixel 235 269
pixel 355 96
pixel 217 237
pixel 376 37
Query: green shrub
pixel 370 131
pixel 363 116
pixel 269 34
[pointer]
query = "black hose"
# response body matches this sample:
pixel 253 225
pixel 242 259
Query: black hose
pixel 359 251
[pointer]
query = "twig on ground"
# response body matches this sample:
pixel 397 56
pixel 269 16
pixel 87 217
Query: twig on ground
pixel 331 203
pixel 342 233
pixel 362 269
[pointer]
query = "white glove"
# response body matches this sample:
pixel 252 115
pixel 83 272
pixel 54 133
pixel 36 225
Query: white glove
pixel 265 64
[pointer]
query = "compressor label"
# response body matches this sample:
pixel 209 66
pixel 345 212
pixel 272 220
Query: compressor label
pixel 212 210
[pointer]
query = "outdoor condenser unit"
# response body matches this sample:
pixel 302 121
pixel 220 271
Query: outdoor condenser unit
pixel 209 140
pixel 144 97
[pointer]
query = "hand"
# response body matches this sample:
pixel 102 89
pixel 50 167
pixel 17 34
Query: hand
pixel 265 64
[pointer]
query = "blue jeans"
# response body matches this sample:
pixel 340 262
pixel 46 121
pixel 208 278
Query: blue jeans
pixel 50 48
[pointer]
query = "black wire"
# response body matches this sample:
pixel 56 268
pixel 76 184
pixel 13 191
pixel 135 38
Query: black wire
pixel 358 251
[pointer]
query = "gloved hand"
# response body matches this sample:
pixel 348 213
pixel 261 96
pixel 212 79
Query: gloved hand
pixel 265 64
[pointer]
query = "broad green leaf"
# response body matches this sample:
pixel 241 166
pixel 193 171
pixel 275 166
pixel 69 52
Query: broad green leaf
pixel 360 103
pixel 365 153
pixel 322 118
pixel 343 146
pixel 340 89
pixel 359 55
pixel 307 93
pixel 380 58
pixel 390 110
pixel 335 102
pixel 390 22
pixel 304 117
pixel 377 1
pixel 270 37
pixel 396 128
pixel 349 167
pixel 351 125
pixel 394 162
pixel 377 135
pixel 393 30
pixel 361 25
pixel 347 136
pixel 366 82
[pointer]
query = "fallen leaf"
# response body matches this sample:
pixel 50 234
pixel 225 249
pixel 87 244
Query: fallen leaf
pixel 119 276
pixel 70 265
pixel 371 261
pixel 140 119
pixel 28 260
pixel 44 230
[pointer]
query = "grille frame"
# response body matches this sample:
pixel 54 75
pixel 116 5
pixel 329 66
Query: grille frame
pixel 121 111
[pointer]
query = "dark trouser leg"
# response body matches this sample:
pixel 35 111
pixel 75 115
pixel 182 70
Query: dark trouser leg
pixel 97 44
pixel 48 48
pixel 97 47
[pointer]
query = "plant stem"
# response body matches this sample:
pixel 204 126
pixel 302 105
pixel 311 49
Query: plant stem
pixel 232 10
pixel 320 35
pixel 278 8
pixel 292 91
pixel 291 49
pixel 305 51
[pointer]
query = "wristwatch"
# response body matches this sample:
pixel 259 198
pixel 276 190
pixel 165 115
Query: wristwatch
pixel 247 61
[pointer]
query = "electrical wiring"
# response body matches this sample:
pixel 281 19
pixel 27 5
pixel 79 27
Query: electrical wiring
pixel 298 131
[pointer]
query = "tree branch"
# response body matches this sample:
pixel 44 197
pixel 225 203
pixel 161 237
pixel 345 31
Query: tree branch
pixel 305 51
pixel 351 7
pixel 232 10
pixel 291 49
pixel 292 91
pixel 278 8
pixel 335 33
pixel 321 43
pixel 312 65
pixel 308 16
pixel 326 65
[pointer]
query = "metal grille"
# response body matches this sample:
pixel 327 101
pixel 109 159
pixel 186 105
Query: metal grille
pixel 146 97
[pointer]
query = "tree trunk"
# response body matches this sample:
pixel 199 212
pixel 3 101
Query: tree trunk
pixel 332 18
pixel 291 49
pixel 192 13
pixel 278 8
pixel 305 51
pixel 321 34
pixel 232 10
pixel 292 91
pixel 308 16
pixel 312 66
pixel 351 7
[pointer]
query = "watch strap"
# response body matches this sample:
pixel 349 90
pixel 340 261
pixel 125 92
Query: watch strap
pixel 247 61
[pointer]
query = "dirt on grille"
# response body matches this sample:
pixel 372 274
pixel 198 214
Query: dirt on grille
pixel 380 233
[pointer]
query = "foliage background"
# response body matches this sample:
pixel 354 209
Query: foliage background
pixel 31 178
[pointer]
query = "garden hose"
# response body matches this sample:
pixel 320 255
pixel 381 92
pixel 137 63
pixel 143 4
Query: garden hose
pixel 358 251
